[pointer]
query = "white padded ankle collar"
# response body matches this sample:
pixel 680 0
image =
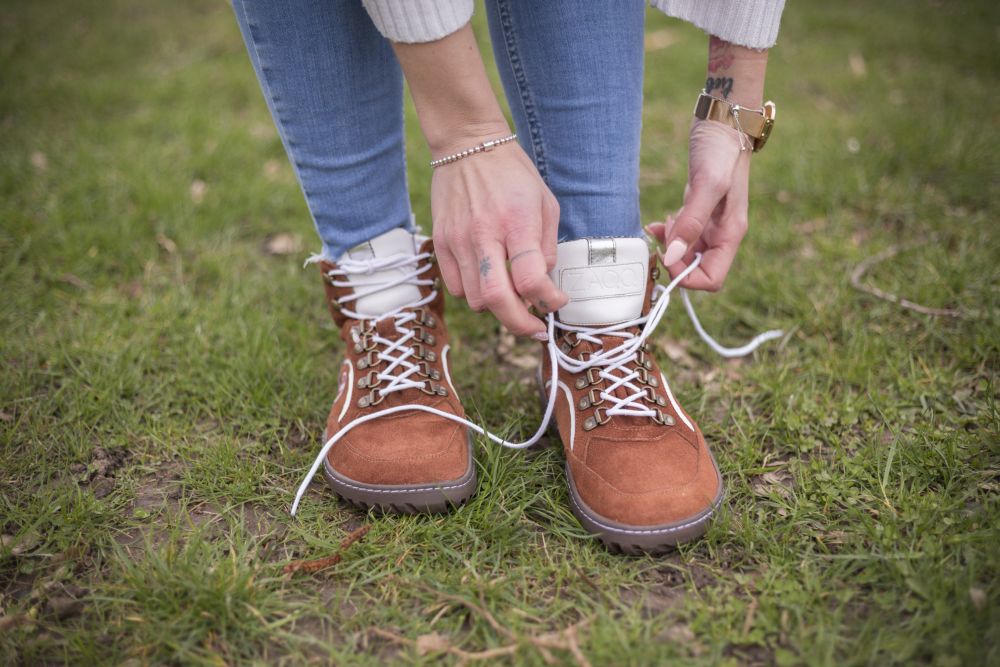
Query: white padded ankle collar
pixel 605 279
pixel 394 242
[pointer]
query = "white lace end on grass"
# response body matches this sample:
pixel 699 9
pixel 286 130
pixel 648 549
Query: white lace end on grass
pixel 618 364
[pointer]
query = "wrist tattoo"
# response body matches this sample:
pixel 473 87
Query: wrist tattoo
pixel 720 55
pixel 723 84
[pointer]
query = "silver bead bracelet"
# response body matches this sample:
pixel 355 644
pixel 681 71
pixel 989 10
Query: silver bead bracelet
pixel 484 147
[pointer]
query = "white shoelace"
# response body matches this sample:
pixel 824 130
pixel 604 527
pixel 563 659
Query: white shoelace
pixel 614 362
pixel 402 315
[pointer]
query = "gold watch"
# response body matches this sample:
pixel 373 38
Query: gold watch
pixel 756 124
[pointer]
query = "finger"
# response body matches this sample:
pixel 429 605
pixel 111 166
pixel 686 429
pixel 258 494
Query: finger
pixel 466 259
pixel 449 269
pixel 550 230
pixel 715 261
pixel 531 281
pixel 723 240
pixel 530 274
pixel 498 293
pixel 701 200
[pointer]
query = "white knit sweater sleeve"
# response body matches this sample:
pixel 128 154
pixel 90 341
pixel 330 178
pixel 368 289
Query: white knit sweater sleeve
pixel 750 23
pixel 412 21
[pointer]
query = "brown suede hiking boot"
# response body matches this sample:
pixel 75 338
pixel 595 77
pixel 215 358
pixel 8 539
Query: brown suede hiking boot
pixel 640 474
pixel 386 297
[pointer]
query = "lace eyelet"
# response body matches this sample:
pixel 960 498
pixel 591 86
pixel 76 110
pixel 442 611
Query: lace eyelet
pixel 594 396
pixel 600 417
pixel 370 399
pixel 369 380
pixel 663 419
pixel 424 370
pixel 434 389
pixel 420 352
pixel 423 335
pixel 370 359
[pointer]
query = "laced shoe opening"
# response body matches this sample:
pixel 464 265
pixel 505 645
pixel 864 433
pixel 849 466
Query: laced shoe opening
pixel 394 342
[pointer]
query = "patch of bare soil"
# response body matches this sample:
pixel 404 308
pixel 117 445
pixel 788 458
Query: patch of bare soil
pixel 518 358
pixel 664 587
pixel 750 655
pixel 156 495
pixel 44 597
pixel 100 473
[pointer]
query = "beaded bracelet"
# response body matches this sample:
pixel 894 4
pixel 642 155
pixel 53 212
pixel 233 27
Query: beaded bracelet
pixel 481 148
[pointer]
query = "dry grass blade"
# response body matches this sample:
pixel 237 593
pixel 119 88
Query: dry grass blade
pixel 564 640
pixel 861 269
pixel 751 612
pixel 440 644
pixel 310 566
pixel 481 611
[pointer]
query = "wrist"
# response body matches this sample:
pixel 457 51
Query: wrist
pixel 736 73
pixel 751 126
pixel 452 137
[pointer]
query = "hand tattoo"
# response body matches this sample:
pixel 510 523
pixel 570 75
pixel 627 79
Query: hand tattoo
pixel 484 266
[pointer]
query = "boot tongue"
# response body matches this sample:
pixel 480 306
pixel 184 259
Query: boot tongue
pixel 395 242
pixel 604 278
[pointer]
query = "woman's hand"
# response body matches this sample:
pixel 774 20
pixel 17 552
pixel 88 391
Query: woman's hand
pixel 489 209
pixel 713 219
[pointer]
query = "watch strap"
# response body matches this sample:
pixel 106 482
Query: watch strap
pixel 755 123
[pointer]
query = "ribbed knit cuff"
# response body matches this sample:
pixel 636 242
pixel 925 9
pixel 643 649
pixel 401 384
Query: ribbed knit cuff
pixel 750 23
pixel 413 21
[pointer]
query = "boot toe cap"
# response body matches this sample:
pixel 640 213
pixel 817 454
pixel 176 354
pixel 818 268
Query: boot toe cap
pixel 420 450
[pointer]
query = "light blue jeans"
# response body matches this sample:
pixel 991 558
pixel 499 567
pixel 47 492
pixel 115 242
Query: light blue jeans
pixel 572 71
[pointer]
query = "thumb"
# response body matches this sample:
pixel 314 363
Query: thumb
pixel 691 221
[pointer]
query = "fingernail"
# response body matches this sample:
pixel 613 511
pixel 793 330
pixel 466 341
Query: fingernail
pixel 675 251
pixel 541 336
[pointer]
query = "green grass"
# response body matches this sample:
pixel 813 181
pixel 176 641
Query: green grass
pixel 165 383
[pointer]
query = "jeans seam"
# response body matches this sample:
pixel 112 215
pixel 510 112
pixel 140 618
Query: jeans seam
pixel 524 92
pixel 279 120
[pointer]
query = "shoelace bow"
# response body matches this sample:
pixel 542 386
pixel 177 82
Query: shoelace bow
pixel 617 363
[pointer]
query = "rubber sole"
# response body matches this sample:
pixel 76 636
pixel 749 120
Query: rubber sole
pixel 431 498
pixel 636 540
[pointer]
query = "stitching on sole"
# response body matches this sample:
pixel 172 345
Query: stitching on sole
pixel 368 489
pixel 651 531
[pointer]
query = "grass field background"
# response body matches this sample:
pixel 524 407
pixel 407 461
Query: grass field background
pixel 165 380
